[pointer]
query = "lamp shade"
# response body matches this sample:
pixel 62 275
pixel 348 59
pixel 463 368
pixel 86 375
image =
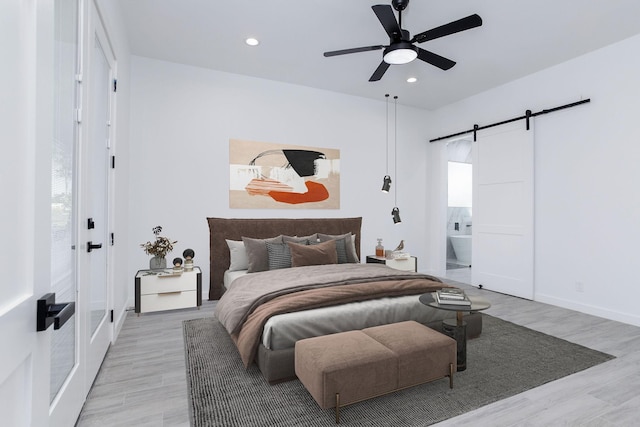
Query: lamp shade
pixel 396 215
pixel 386 185
pixel 400 53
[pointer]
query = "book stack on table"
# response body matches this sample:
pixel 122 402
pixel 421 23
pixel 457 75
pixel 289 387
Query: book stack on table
pixel 452 296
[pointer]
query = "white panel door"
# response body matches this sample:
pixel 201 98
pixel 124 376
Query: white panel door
pixel 25 137
pixel 503 207
pixel 94 261
pixel 66 390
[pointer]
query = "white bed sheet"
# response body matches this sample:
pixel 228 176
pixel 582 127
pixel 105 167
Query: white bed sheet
pixel 230 276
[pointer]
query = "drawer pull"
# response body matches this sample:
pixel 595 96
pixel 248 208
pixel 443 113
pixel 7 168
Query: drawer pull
pixel 170 293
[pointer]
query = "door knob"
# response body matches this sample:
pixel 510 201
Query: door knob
pixel 91 246
pixel 49 312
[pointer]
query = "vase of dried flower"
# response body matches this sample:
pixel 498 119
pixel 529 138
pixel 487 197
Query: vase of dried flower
pixel 157 262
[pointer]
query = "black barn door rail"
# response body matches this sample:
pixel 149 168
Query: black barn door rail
pixel 528 114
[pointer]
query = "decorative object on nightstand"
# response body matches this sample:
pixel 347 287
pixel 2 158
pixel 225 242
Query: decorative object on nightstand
pixel 379 248
pixel 400 246
pixel 159 248
pixel 177 264
pixel 188 255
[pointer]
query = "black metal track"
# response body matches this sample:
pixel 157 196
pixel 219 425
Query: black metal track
pixel 526 116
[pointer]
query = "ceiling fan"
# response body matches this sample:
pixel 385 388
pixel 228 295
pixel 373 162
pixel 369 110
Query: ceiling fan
pixel 401 48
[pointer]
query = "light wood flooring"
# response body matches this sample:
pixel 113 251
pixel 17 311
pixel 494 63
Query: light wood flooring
pixel 142 380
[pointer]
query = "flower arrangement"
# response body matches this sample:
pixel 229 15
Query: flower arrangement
pixel 159 247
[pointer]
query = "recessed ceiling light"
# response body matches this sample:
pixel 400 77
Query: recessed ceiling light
pixel 412 80
pixel 252 42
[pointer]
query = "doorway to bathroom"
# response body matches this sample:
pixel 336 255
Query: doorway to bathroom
pixel 459 209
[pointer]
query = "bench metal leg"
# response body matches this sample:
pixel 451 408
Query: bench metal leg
pixel 451 369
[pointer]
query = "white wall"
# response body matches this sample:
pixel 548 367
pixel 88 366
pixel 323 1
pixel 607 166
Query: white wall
pixel 182 118
pixel 586 197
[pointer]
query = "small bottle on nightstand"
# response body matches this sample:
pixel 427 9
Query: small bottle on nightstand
pixel 379 248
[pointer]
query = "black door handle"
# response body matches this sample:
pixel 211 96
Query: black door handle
pixel 49 312
pixel 91 246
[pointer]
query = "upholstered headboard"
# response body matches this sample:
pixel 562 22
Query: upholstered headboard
pixel 221 229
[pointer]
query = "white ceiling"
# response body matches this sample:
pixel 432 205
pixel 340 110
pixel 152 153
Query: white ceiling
pixel 517 38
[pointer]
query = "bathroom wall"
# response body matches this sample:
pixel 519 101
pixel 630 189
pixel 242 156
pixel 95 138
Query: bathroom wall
pixel 458 151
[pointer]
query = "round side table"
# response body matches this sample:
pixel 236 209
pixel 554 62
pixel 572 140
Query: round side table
pixel 457 329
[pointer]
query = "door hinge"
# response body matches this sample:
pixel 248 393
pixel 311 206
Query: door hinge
pixel 113 239
pixel 111 316
pixel 79 115
pixel 113 162
pixel 115 85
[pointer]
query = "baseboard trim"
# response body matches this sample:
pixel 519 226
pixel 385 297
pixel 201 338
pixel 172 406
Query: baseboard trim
pixel 628 318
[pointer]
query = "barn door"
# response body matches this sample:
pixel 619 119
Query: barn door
pixel 503 208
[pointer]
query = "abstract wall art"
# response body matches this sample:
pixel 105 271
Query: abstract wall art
pixel 276 176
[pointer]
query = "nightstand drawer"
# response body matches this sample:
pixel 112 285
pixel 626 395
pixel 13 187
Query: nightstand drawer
pixel 168 301
pixel 405 264
pixel 408 264
pixel 160 284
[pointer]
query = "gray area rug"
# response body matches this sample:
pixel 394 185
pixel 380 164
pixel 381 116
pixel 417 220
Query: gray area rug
pixel 505 360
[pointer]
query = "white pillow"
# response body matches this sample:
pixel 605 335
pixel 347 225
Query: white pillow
pixel 238 259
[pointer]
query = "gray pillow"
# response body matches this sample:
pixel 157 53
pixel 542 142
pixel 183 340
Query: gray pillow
pixel 349 245
pixel 341 248
pixel 279 255
pixel 304 240
pixel 257 253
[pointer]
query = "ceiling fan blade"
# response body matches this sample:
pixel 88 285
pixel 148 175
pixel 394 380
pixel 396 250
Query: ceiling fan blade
pixel 387 18
pixel 379 72
pixel 435 60
pixel 463 24
pixel 354 50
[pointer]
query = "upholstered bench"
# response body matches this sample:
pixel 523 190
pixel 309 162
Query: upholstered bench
pixel 348 367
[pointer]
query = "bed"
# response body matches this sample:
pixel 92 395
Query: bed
pixel 328 298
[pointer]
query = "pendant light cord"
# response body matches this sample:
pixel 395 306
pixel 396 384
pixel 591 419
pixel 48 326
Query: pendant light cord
pixel 395 147
pixel 387 132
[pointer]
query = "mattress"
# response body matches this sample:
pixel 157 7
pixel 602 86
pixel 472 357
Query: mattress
pixel 283 330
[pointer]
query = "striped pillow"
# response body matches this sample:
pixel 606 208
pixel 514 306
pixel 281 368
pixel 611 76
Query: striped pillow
pixel 279 255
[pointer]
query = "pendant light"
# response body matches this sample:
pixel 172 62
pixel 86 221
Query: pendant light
pixel 386 184
pixel 395 212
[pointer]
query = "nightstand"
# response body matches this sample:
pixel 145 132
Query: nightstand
pixel 408 264
pixel 157 290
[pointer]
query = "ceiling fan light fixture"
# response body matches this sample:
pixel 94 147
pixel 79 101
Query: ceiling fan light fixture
pixel 400 53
